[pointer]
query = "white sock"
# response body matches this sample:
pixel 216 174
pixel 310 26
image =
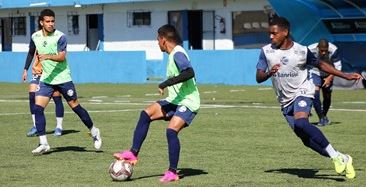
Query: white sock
pixel 93 131
pixel 34 120
pixel 43 140
pixel 331 151
pixel 59 122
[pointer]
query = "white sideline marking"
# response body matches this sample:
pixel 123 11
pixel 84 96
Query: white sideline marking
pixel 237 90
pixel 208 92
pixel 99 97
pixel 354 102
pixel 205 106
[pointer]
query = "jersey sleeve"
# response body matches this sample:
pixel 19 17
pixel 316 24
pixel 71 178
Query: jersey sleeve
pixel 181 61
pixel 62 44
pixel 31 51
pixel 262 61
pixel 311 59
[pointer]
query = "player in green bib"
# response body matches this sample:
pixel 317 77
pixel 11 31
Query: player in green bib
pixel 180 107
pixel 51 46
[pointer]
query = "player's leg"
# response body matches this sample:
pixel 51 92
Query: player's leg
pixel 327 99
pixel 317 103
pixel 68 91
pixel 32 95
pixel 59 110
pixel 288 112
pixel 181 118
pixel 152 112
pixel 302 125
pixel 42 99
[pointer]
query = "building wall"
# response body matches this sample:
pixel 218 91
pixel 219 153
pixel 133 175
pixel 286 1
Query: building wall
pixel 118 36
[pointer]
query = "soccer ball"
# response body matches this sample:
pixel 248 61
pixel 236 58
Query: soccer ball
pixel 120 170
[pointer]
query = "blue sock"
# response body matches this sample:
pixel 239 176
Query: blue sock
pixel 174 149
pixel 316 139
pixel 84 116
pixel 140 133
pixel 318 104
pixel 40 120
pixel 310 143
pixel 59 107
pixel 32 101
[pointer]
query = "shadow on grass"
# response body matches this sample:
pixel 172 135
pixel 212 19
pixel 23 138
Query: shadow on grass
pixel 332 123
pixel 182 172
pixel 64 132
pixel 306 173
pixel 70 148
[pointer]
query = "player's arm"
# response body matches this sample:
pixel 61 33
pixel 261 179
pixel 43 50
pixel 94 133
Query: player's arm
pixel 28 60
pixel 312 60
pixel 61 51
pixel 262 65
pixel 185 68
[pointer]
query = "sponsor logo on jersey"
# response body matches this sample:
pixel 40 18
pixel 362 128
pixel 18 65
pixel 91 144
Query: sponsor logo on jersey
pixel 44 43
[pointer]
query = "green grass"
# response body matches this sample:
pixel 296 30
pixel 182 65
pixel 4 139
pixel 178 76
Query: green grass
pixel 239 138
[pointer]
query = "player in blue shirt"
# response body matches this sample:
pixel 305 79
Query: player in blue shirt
pixel 285 61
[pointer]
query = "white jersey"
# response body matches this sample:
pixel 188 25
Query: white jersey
pixel 333 55
pixel 291 80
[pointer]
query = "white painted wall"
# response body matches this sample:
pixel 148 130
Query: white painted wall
pixel 118 36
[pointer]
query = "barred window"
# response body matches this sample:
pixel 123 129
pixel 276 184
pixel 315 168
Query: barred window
pixel 141 18
pixel 18 26
pixel 73 24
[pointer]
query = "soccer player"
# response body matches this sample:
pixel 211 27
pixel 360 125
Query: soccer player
pixel 36 75
pixel 51 46
pixel 180 107
pixel 284 61
pixel 326 52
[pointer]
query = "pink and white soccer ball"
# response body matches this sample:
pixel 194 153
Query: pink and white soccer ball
pixel 120 170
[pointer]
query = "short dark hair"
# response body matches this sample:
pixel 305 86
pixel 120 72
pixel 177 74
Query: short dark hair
pixel 46 12
pixel 170 33
pixel 281 22
pixel 323 43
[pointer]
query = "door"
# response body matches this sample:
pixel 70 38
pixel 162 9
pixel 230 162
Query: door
pixel 94 34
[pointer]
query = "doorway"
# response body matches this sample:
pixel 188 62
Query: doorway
pixel 6 38
pixel 94 34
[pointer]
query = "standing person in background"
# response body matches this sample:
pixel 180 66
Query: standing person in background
pixel 51 46
pixel 36 75
pixel 326 52
pixel 179 108
pixel 285 61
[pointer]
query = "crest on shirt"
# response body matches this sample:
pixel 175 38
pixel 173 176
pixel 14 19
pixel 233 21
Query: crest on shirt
pixel 284 60
pixel 302 103
pixel 70 92
pixel 44 43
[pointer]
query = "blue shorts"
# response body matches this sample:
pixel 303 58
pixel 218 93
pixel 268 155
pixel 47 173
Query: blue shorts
pixel 301 104
pixel 35 79
pixel 177 110
pixel 67 90
pixel 316 79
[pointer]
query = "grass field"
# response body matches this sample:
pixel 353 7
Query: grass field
pixel 239 138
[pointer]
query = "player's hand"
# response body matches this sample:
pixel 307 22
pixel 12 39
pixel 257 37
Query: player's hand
pixel 161 91
pixel 327 81
pixel 36 70
pixel 43 57
pixel 25 75
pixel 353 76
pixel 274 69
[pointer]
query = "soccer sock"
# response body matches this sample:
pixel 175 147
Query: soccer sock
pixel 59 110
pixel 84 116
pixel 331 151
pixel 140 133
pixel 317 104
pixel 34 120
pixel 43 140
pixel 32 101
pixel 174 149
pixel 40 120
pixel 326 103
pixel 310 143
pixel 313 133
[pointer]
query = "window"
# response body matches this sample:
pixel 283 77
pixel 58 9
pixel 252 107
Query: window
pixel 18 26
pixel 250 29
pixel 73 24
pixel 139 18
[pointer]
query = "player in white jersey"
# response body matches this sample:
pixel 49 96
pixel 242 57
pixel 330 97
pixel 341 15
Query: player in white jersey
pixel 327 52
pixel 285 61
